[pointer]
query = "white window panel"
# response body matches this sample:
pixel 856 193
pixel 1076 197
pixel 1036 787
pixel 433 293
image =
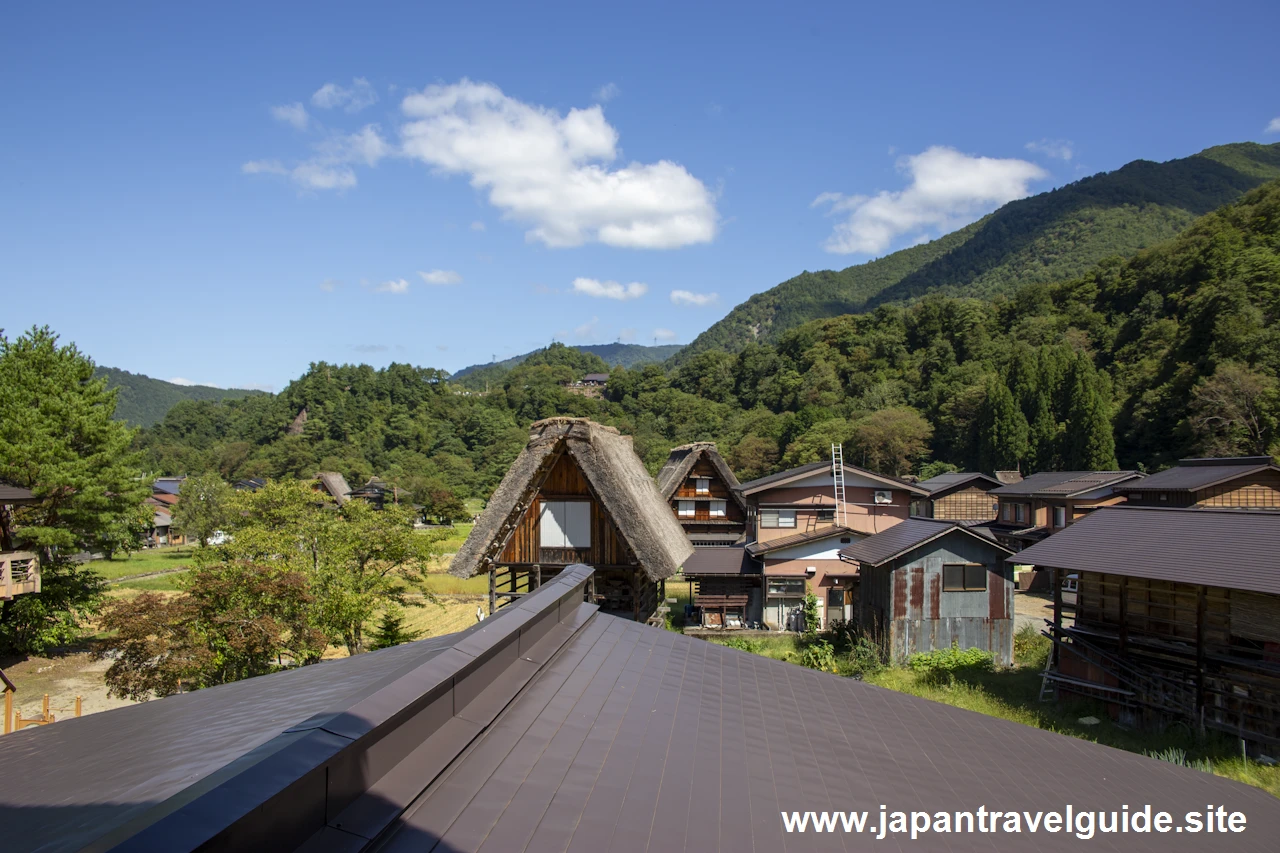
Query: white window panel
pixel 685 509
pixel 702 486
pixel 786 518
pixel 565 524
pixel 718 509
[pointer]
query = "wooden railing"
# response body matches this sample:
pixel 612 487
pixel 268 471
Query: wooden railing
pixel 19 573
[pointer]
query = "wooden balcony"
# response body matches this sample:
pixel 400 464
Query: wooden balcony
pixel 19 573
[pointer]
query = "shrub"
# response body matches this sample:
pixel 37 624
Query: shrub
pixel 1030 647
pixel 811 620
pixel 742 644
pixel 943 665
pixel 819 655
pixel 865 658
pixel 1173 755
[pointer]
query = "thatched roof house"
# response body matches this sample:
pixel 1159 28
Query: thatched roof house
pixel 682 461
pixel 577 493
pixel 334 485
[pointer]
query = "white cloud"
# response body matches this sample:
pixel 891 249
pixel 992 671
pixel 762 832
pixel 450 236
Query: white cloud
pixel 257 386
pixel 1059 149
pixel 664 335
pixel 688 297
pixel 1274 127
pixel 393 286
pixel 477 225
pixel 947 190
pixel 178 380
pixel 264 167
pixel 314 175
pixel 587 331
pixel 370 348
pixel 626 336
pixel 607 92
pixel 294 114
pixel 609 289
pixel 329 285
pixel 329 168
pixel 441 277
pixel 353 99
pixel 551 171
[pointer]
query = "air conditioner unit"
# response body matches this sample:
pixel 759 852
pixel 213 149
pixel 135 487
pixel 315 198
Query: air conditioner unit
pixel 884 497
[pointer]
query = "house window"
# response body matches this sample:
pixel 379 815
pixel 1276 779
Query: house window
pixel 1008 512
pixel 1059 516
pixel 964 577
pixel 685 509
pixel 702 486
pixel 786 586
pixel 835 604
pixel 718 509
pixel 826 516
pixel 777 518
pixel 1020 512
pixel 565 524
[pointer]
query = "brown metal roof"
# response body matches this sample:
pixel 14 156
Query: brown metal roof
pixel 783 477
pixel 552 727
pixel 719 560
pixel 15 494
pixel 945 483
pixel 1064 484
pixel 908 535
pixel 1233 549
pixel 759 549
pixel 1193 474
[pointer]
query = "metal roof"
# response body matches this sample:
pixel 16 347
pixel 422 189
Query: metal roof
pixel 552 727
pixel 935 486
pixel 1193 474
pixel 783 477
pixel 908 535
pixel 1064 484
pixel 15 494
pixel 720 560
pixel 758 549
pixel 1234 549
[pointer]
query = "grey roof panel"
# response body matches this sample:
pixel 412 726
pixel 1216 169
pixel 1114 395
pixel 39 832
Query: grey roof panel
pixel 719 560
pixel 1064 484
pixel 1201 475
pixel 906 535
pixel 14 494
pixel 1233 549
pixel 782 477
pixel 935 486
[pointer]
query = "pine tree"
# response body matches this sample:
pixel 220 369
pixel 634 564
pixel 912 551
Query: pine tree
pixel 1088 441
pixel 1002 429
pixel 391 630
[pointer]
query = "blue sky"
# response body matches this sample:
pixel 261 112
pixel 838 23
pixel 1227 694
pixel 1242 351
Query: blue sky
pixel 227 194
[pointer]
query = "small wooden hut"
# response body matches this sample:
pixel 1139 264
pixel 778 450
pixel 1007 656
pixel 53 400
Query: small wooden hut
pixel 577 494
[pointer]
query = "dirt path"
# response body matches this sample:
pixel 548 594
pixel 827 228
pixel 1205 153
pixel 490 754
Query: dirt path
pixel 63 677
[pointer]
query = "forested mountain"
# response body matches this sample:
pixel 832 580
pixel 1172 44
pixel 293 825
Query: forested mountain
pixel 144 401
pixel 613 355
pixel 1173 352
pixel 1049 237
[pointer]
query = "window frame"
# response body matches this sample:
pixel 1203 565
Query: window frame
pixel 566 523
pixel 718 509
pixel 968 573
pixel 779 516
pixel 1059 516
pixel 786 587
pixel 686 509
pixel 1020 513
pixel 702 485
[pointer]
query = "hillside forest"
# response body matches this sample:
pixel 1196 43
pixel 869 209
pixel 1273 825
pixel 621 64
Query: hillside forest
pixel 1173 352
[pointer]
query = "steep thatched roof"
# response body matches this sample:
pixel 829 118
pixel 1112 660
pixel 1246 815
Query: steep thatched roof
pixel 336 485
pixel 681 461
pixel 615 474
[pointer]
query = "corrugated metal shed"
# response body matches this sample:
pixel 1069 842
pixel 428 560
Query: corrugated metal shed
pixel 1233 549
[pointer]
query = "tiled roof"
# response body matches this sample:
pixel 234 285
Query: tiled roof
pixel 908 535
pixel 1234 549
pixel 553 727
pixel 1194 474
pixel 1064 484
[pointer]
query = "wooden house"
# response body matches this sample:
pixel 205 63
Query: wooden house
pixel 958 497
pixel 1245 482
pixel 1176 616
pixel 927 584
pixel 19 570
pixel 576 494
pixel 724 579
pixel 377 492
pixel 1045 503
pixel 796 526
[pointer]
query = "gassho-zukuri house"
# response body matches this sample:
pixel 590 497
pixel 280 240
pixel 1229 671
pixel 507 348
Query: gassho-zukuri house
pixel 578 493
pixel 553 726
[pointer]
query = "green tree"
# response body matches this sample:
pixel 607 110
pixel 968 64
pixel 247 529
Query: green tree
pixel 391 630
pixel 1089 444
pixel 890 441
pixel 202 508
pixel 1235 411
pixel 58 438
pixel 1002 430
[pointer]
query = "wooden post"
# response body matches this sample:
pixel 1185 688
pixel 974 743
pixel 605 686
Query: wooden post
pixel 537 575
pixel 78 707
pixel 493 589
pixel 1057 611
pixel 1202 607
pixel 1124 613
pixel 8 710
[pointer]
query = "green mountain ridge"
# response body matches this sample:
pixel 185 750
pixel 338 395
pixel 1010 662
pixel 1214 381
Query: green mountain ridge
pixel 1053 236
pixel 614 355
pixel 144 401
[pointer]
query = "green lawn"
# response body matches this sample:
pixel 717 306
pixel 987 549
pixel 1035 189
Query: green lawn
pixel 144 562
pixel 163 583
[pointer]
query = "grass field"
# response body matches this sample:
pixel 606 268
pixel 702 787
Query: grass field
pixel 144 562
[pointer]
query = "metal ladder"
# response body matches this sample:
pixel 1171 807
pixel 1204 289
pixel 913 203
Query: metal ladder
pixel 837 476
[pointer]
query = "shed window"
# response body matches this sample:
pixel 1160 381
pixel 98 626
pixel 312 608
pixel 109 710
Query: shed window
pixel 964 577
pixel 685 509
pixel 702 486
pixel 565 524
pixel 718 509
pixel 777 518
pixel 1020 513
pixel 826 516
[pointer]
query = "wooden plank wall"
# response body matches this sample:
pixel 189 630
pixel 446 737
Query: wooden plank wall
pixel 718 490
pixel 1259 491
pixel 971 504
